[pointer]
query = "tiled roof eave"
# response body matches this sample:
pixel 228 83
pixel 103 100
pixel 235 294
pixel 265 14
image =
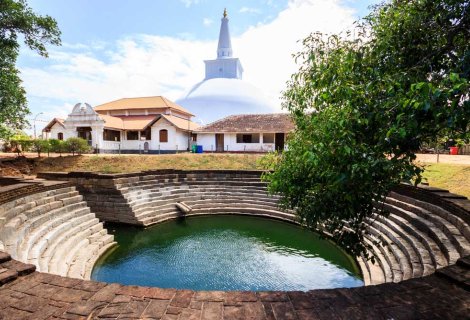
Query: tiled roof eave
pixel 52 123
pixel 114 128
pixel 251 123
pixel 244 131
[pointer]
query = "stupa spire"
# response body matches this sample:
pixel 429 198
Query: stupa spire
pixel 225 66
pixel 224 49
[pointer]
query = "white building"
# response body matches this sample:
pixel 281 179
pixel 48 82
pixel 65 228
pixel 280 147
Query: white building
pixel 246 133
pixel 223 92
pixel 129 125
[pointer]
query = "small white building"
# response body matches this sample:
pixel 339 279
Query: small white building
pixel 54 129
pixel 129 125
pixel 246 133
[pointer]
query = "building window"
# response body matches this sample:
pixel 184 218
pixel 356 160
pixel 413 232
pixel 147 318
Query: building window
pixel 132 135
pixel 268 137
pixel 111 135
pixel 60 136
pixel 194 137
pixel 146 135
pixel 163 135
pixel 247 137
pixel 84 133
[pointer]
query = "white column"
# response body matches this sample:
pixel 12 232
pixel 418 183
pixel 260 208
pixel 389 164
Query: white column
pixel 97 136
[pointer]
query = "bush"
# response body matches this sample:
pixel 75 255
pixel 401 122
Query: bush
pixel 17 141
pixel 57 146
pixel 77 145
pixel 269 161
pixel 20 145
pixel 40 146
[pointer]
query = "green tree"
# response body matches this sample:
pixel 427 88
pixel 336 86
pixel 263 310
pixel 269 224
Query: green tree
pixel 77 145
pixel 16 19
pixel 363 103
pixel 40 146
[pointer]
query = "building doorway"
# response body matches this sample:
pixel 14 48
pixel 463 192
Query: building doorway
pixel 146 147
pixel 219 142
pixel 279 141
pixel 84 133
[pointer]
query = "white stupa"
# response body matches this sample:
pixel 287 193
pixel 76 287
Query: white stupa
pixel 223 92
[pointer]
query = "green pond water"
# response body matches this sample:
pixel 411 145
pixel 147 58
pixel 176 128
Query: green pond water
pixel 226 253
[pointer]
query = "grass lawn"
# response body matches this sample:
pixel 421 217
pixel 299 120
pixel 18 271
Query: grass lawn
pixel 134 163
pixel 453 177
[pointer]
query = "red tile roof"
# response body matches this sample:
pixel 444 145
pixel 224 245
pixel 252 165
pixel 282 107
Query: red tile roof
pixel 157 102
pixel 251 123
pixel 52 123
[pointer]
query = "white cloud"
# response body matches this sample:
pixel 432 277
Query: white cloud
pixel 249 10
pixel 145 65
pixel 189 3
pixel 60 111
pixel 207 22
pixel 140 66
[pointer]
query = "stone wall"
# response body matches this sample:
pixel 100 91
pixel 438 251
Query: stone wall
pixel 14 188
pixel 457 204
pixel 108 195
pixel 100 193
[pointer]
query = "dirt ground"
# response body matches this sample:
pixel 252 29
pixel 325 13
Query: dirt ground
pixel 30 165
pixel 430 158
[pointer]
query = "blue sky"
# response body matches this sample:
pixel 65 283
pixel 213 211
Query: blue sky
pixel 111 19
pixel 121 48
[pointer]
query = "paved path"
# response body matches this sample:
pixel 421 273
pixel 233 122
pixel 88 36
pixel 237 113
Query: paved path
pixel 444 158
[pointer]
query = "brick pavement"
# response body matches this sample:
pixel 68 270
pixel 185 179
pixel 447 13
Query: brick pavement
pixel 27 294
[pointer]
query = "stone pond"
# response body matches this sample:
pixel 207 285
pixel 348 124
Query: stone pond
pixel 61 227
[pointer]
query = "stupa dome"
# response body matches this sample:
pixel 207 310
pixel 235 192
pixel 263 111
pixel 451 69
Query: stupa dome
pixel 216 98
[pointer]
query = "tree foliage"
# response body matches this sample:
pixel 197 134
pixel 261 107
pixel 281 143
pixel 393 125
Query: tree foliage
pixel 17 19
pixel 40 146
pixel 363 103
pixel 21 144
pixel 58 146
pixel 77 145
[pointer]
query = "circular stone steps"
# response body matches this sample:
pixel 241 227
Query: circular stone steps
pixel 418 235
pixel 54 230
pixel 62 236
pixel 394 249
pixel 426 230
pixel 154 200
pixel 414 240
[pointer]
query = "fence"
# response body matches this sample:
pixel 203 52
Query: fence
pixel 465 149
